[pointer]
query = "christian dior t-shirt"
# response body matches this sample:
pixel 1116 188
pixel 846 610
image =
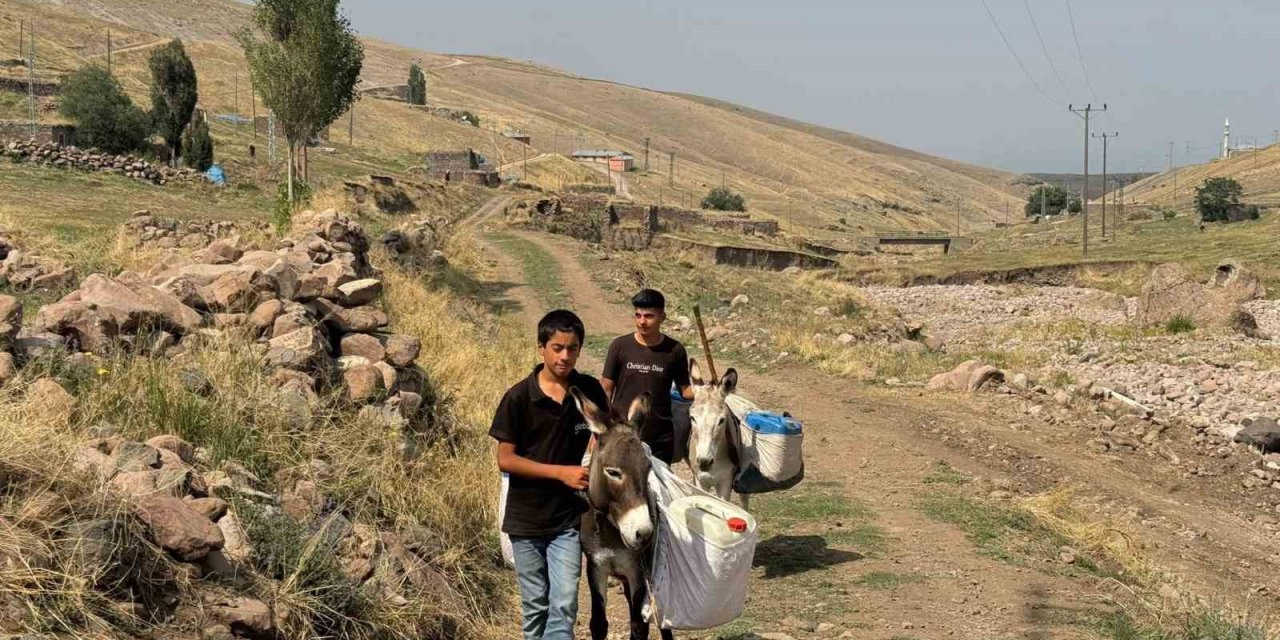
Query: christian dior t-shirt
pixel 549 432
pixel 635 368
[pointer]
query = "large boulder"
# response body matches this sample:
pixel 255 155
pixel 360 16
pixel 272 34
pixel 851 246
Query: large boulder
pixel 297 349
pixel 361 344
pixel 1170 291
pixel 104 309
pixel 1263 433
pixel 10 321
pixel 178 528
pixel 365 319
pixel 969 376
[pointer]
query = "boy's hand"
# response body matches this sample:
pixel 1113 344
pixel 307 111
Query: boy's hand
pixel 574 477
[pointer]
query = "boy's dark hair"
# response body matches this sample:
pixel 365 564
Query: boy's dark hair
pixel 649 299
pixel 560 321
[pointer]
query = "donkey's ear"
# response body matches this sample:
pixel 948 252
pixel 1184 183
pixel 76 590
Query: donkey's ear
pixel 729 382
pixel 695 374
pixel 595 419
pixel 639 410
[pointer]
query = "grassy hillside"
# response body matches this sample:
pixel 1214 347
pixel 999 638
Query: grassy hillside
pixel 1257 171
pixel 808 175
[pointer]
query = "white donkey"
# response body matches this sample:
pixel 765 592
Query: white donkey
pixel 714 442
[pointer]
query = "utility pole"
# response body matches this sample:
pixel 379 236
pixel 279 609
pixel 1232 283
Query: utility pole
pixel 31 80
pixel 108 52
pixel 236 84
pixel 1105 137
pixel 646 155
pixel 1186 157
pixel 351 125
pixel 671 170
pixel 253 107
pixel 524 162
pixel 1044 191
pixel 1084 200
pixel 22 39
pixel 1175 175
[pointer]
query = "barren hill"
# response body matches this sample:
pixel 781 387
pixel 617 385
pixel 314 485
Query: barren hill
pixel 800 173
pixel 1257 171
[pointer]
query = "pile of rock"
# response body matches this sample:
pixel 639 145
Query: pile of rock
pixel 416 244
pixel 310 304
pixel 25 271
pixel 67 157
pixel 190 511
pixel 143 229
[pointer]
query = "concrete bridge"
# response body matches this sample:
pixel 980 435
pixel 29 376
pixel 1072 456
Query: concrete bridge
pixel 942 238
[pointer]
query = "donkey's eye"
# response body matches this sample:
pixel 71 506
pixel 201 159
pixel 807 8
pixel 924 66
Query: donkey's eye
pixel 613 472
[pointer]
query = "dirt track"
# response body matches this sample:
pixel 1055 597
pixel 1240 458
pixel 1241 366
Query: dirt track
pixel 879 448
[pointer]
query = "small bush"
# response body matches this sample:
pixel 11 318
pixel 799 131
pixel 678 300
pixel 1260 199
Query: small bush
pixel 1180 324
pixel 1168 213
pixel 471 118
pixel 848 307
pixel 282 214
pixel 722 199
pixel 197 149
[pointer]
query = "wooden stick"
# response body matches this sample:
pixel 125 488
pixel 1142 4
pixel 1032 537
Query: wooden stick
pixel 706 346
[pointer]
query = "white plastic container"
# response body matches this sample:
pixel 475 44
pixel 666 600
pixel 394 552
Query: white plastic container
pixel 702 565
pixel 504 541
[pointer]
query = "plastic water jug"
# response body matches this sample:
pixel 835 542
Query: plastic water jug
pixel 716 522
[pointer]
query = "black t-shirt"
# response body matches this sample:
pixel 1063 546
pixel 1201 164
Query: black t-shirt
pixel 635 368
pixel 549 432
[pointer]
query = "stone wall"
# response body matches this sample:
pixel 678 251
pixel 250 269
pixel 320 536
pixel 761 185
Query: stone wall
pixel 772 259
pixel 43 88
pixel 18 131
pixel 63 157
pixel 395 92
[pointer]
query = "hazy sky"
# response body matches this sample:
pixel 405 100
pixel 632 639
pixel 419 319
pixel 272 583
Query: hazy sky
pixel 930 75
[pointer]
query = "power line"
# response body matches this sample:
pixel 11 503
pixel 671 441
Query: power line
pixel 1080 56
pixel 1043 47
pixel 1008 46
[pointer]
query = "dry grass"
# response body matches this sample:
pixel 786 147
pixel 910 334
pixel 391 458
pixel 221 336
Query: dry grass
pixel 442 499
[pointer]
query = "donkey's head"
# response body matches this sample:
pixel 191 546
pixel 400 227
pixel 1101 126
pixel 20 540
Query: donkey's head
pixel 710 416
pixel 619 480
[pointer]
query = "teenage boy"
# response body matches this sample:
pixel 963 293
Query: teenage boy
pixel 541 439
pixel 648 360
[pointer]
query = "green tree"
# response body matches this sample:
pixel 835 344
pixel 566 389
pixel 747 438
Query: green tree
pixel 1047 198
pixel 417 85
pixel 722 199
pixel 105 117
pixel 1215 197
pixel 1074 205
pixel 173 94
pixel 197 150
pixel 305 61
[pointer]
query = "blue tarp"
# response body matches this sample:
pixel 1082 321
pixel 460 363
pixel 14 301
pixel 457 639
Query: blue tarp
pixel 216 175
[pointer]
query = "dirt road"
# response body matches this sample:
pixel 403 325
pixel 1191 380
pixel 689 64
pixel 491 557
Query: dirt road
pixel 900 529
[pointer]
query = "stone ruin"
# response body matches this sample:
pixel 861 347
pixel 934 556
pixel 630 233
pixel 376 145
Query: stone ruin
pixel 66 157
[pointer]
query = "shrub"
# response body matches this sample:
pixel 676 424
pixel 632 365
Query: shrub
pixel 282 215
pixel 1168 213
pixel 197 149
pixel 722 199
pixel 105 117
pixel 471 118
pixel 1180 324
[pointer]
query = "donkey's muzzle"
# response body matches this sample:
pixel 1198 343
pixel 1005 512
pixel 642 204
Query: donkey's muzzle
pixel 704 464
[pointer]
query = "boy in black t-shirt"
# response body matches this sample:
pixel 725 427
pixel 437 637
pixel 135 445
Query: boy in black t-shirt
pixel 541 440
pixel 648 360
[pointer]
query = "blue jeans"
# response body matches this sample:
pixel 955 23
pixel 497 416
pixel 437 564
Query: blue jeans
pixel 547 569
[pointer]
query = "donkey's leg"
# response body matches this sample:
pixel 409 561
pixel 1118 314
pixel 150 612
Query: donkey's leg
pixel 637 595
pixel 745 499
pixel 598 584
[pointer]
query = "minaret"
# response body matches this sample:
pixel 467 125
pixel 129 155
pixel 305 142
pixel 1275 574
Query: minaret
pixel 1226 139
